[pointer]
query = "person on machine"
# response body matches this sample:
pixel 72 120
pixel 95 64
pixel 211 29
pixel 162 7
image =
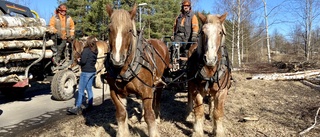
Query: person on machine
pixel 62 25
pixel 186 27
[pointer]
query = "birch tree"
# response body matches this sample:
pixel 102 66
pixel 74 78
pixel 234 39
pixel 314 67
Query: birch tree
pixel 266 16
pixel 308 12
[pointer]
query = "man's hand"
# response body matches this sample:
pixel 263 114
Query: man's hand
pixel 70 38
pixel 51 31
pixel 194 37
pixel 172 38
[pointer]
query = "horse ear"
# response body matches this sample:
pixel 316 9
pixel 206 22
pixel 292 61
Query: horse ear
pixel 223 17
pixel 109 10
pixel 133 11
pixel 202 17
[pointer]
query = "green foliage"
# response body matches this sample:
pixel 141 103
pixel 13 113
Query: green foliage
pixel 91 18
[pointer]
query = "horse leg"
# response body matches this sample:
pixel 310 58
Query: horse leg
pixel 191 90
pixel 199 115
pixel 121 114
pixel 100 69
pixel 218 112
pixel 149 115
pixel 156 104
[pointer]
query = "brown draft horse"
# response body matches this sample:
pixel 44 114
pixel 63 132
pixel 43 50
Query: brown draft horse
pixel 102 46
pixel 210 74
pixel 134 66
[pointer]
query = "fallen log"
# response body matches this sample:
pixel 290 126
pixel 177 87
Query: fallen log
pixel 29 55
pixel 22 32
pixel 20 44
pixel 287 76
pixel 8 21
pixel 310 84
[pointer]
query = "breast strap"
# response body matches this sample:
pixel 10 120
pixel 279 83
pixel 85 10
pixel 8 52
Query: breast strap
pixel 135 66
pixel 223 66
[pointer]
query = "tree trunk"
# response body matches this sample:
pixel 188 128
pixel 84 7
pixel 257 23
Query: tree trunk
pixel 287 76
pixel 20 44
pixel 267 30
pixel 14 67
pixel 238 40
pixel 28 55
pixel 12 78
pixel 22 32
pixel 8 21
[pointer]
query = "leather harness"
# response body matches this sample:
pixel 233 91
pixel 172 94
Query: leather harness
pixel 136 64
pixel 223 66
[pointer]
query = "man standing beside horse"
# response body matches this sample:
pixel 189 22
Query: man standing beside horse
pixel 62 25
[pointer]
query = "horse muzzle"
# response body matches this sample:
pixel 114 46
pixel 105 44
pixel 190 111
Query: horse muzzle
pixel 117 64
pixel 210 62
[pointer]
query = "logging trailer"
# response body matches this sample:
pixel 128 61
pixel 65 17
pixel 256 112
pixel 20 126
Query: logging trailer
pixel 26 54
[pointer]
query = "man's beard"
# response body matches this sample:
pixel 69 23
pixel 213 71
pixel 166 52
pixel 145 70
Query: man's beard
pixel 186 12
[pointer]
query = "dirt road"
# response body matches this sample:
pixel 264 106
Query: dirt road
pixel 38 110
pixel 282 108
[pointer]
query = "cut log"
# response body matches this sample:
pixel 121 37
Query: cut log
pixel 22 32
pixel 287 76
pixel 29 55
pixel 14 67
pixel 11 70
pixel 20 44
pixel 8 21
pixel 12 78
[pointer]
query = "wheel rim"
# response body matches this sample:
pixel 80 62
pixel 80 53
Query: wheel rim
pixel 69 86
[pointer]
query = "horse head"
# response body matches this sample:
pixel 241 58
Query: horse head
pixel 122 35
pixel 212 37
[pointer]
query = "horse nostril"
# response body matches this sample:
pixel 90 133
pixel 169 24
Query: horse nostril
pixel 205 58
pixel 123 57
pixel 111 56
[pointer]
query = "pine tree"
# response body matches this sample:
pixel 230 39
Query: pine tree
pixel 91 18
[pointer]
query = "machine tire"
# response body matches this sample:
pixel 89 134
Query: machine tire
pixel 63 85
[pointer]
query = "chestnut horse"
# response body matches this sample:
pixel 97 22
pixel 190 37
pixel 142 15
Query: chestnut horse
pixel 210 73
pixel 102 47
pixel 134 66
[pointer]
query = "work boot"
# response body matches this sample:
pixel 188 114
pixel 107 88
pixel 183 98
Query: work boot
pixel 75 110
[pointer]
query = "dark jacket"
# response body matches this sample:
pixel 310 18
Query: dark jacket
pixel 186 24
pixel 88 60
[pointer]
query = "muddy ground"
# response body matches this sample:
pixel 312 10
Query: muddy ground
pixel 282 108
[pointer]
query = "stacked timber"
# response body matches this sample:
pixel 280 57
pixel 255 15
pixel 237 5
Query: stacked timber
pixel 21 44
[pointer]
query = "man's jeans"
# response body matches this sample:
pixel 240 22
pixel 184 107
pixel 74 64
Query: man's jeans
pixel 85 83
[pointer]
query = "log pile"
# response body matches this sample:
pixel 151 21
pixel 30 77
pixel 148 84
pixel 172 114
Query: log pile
pixel 21 43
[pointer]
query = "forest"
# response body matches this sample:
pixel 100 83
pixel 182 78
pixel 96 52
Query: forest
pixel 249 24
